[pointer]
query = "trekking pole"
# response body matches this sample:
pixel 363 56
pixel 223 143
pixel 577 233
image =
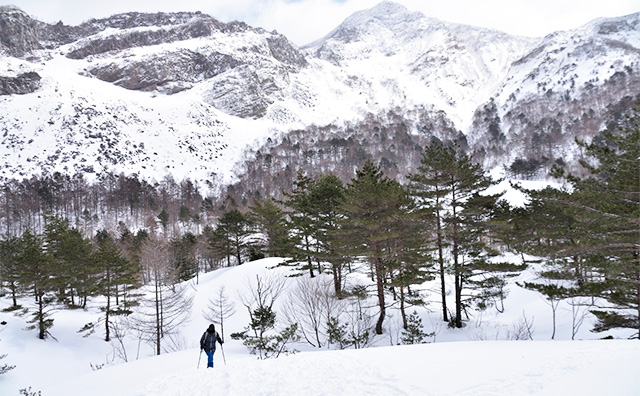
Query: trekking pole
pixel 199 358
pixel 223 358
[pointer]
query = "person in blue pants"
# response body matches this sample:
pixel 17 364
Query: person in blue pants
pixel 208 343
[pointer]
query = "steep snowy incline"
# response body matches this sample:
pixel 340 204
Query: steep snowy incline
pixel 419 60
pixel 188 96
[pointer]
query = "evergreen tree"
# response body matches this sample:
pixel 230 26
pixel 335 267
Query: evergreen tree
pixel 467 224
pixel 301 222
pixel 39 275
pixel 430 186
pixel 414 332
pixel 9 270
pixel 117 280
pixel 184 259
pixel 325 195
pixel 230 236
pixel 597 230
pixel 448 186
pixel 70 254
pixel 270 221
pixel 370 210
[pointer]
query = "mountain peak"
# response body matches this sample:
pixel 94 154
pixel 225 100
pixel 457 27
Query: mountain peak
pixel 386 13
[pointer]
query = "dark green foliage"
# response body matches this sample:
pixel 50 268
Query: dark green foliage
pixel 263 320
pixel 525 168
pixel 116 280
pixel 301 224
pixel 592 231
pixel 70 254
pixel 414 332
pixel 447 186
pixel 184 255
pixel 271 346
pixel 38 274
pixel 337 333
pixel 346 335
pixel 270 221
pixel 375 214
pixel 229 239
pixel 163 217
pixel 9 268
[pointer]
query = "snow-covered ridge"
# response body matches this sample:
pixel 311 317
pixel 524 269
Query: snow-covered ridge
pixel 190 73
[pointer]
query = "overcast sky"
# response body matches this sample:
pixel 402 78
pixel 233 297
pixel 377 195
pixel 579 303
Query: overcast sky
pixel 303 21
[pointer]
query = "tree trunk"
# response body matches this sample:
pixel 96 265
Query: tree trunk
pixel 157 317
pixel 106 317
pixel 41 329
pixel 456 265
pixel 443 290
pixel 380 290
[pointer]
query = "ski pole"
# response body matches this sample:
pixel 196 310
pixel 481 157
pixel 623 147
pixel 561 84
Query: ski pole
pixel 223 358
pixel 199 358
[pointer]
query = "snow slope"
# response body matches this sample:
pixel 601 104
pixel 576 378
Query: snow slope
pixel 196 105
pixel 476 360
pixel 463 368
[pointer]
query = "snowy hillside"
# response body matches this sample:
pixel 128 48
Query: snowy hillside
pixel 481 359
pixel 186 95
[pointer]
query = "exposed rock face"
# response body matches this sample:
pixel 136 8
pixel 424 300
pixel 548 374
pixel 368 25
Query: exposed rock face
pixel 263 59
pixel 172 73
pixel 245 91
pixel 18 32
pixel 285 52
pixel 20 85
pixel 139 30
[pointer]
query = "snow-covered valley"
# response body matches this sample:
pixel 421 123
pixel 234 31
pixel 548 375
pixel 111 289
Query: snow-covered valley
pixel 484 358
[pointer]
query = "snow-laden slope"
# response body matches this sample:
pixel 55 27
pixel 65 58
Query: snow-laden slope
pixel 186 95
pixel 492 368
pixel 420 60
pixel 476 360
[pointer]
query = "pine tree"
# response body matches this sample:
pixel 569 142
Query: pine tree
pixel 39 275
pixel 325 196
pixel 448 185
pixel 371 209
pixel 430 186
pixel 270 221
pixel 117 279
pixel 9 269
pixel 467 224
pixel 229 238
pixel 414 333
pixel 70 253
pixel 183 251
pixel 599 230
pixel 302 224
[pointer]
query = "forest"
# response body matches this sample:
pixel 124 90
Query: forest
pixel 67 241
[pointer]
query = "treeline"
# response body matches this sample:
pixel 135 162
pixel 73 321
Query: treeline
pixel 109 202
pixel 441 224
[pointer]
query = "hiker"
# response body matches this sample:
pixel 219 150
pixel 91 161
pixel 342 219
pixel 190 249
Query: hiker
pixel 208 343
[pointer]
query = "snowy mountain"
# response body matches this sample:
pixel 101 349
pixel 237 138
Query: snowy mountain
pixel 186 95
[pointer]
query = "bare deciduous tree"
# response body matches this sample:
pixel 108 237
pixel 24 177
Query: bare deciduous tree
pixel 166 305
pixel 219 309
pixel 311 304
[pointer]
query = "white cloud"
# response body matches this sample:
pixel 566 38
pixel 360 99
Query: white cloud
pixel 307 20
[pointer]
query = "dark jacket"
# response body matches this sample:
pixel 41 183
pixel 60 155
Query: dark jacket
pixel 208 341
